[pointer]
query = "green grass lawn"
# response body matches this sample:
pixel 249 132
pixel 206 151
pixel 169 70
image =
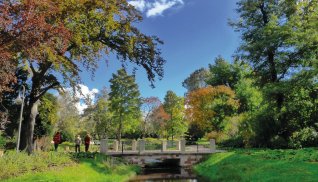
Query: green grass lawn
pixel 261 165
pixel 95 169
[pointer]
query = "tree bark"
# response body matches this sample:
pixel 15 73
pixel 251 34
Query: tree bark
pixel 26 140
pixel 120 128
pixel 27 132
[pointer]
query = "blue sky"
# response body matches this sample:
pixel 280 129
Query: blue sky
pixel 194 33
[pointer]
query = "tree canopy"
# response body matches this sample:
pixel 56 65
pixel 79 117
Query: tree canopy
pixel 208 107
pixel 125 102
pixel 54 38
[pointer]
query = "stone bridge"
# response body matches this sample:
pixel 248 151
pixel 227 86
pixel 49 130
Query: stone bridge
pixel 185 155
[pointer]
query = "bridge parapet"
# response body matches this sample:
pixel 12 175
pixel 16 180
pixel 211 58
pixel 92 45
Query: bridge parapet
pixel 139 147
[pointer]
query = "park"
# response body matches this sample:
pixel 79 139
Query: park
pixel 158 90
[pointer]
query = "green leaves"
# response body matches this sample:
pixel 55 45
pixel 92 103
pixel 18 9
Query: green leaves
pixel 125 102
pixel 278 37
pixel 174 106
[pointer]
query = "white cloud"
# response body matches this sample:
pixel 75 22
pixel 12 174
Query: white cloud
pixel 139 4
pixel 83 94
pixel 81 107
pixel 155 7
pixel 160 6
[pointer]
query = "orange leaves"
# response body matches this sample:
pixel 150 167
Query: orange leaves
pixel 38 26
pixel 160 114
pixel 204 105
pixel 31 30
pixel 32 27
pixel 7 76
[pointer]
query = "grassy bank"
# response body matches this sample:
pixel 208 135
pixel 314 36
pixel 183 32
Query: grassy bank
pixel 82 167
pixel 261 165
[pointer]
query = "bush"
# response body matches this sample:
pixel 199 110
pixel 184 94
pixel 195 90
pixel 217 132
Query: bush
pixel 43 143
pixel 7 143
pixel 305 137
pixel 278 142
pixel 67 136
pixel 85 155
pixel 194 133
pixel 218 136
pixel 236 142
pixel 2 141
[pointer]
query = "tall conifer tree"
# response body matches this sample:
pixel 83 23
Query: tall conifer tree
pixel 125 102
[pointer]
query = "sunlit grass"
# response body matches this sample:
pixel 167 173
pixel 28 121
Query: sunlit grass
pixel 94 169
pixel 261 165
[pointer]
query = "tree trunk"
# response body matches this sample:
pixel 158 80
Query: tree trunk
pixel 144 132
pixel 172 134
pixel 274 78
pixel 26 140
pixel 271 60
pixel 120 128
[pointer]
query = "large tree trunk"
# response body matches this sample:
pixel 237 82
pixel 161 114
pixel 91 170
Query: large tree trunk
pixel 38 79
pixel 26 140
pixel 274 78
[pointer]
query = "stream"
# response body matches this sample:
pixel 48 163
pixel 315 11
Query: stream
pixel 166 171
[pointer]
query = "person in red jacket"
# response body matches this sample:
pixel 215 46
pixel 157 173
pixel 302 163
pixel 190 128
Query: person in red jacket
pixel 87 141
pixel 57 140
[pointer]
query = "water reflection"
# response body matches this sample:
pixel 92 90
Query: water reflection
pixel 168 174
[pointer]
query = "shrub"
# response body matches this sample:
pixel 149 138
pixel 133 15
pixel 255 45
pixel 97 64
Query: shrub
pixel 236 142
pixel 43 143
pixel 2 141
pixel 67 136
pixel 305 137
pixel 84 155
pixel 278 142
pixel 218 136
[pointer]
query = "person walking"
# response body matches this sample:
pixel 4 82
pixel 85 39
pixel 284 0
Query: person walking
pixel 87 140
pixel 57 140
pixel 78 142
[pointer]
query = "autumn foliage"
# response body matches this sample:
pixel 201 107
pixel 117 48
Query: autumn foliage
pixel 30 30
pixel 207 107
pixel 160 116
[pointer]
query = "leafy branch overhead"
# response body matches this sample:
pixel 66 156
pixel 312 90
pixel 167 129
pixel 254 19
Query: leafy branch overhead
pixel 56 39
pixel 62 36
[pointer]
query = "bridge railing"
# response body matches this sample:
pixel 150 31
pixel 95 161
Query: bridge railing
pixel 142 146
pixel 200 146
pixel 153 145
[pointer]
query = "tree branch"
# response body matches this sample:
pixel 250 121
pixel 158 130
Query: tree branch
pixel 32 68
pixel 44 90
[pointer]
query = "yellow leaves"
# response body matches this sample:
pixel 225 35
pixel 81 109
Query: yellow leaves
pixel 203 104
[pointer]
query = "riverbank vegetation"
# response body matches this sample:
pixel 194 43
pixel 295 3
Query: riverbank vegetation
pixel 58 166
pixel 261 165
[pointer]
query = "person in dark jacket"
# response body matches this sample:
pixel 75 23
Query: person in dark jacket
pixel 87 141
pixel 57 140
